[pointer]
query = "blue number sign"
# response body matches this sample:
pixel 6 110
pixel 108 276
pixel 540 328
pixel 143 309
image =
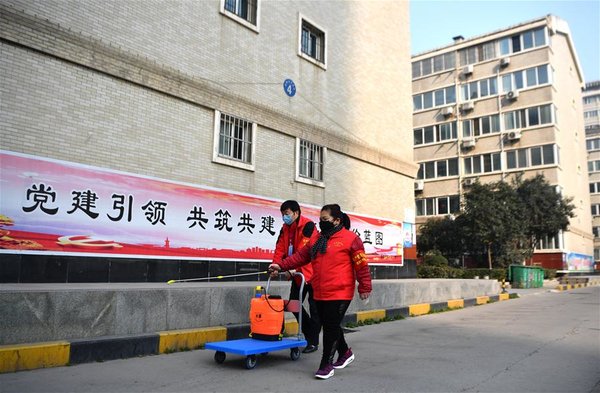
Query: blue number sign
pixel 289 87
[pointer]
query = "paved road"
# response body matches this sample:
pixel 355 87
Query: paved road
pixel 545 342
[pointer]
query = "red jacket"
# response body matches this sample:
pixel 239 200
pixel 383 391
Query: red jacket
pixel 335 272
pixel 297 235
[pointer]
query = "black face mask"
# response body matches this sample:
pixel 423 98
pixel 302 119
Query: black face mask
pixel 326 226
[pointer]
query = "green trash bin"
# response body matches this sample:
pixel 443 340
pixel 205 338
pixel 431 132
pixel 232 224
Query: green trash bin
pixel 525 276
pixel 538 277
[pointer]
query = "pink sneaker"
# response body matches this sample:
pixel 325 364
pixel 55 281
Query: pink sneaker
pixel 325 372
pixel 344 360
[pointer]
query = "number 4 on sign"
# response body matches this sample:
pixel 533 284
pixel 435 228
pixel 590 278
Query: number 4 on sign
pixel 289 87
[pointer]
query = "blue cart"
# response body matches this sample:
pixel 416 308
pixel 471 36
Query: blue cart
pixel 250 347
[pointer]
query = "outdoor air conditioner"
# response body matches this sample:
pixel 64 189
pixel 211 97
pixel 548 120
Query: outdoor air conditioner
pixel 448 111
pixel 512 95
pixel 468 70
pixel 468 143
pixel 469 182
pixel 514 135
pixel 419 184
pixel 467 106
pixel 504 62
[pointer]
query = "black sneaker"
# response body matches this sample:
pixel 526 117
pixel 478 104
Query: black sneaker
pixel 310 348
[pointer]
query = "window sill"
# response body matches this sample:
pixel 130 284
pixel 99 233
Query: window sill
pixel 233 163
pixel 313 60
pixel 240 20
pixel 310 182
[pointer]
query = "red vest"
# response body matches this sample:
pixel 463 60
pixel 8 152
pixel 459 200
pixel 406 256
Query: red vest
pixel 335 272
pixel 293 235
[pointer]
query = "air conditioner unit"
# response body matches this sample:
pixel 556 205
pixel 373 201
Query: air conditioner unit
pixel 512 95
pixel 467 106
pixel 469 182
pixel 448 111
pixel 468 70
pixel 468 143
pixel 504 62
pixel 419 184
pixel 514 135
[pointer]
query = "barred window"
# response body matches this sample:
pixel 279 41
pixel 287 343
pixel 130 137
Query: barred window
pixel 235 138
pixel 312 42
pixel 310 162
pixel 244 9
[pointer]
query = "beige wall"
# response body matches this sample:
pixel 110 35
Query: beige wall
pixel 133 86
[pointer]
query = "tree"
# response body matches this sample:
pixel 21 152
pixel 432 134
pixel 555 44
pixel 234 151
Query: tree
pixel 491 219
pixel 545 211
pixel 440 234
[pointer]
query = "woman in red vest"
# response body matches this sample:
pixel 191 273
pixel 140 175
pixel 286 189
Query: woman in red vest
pixel 338 260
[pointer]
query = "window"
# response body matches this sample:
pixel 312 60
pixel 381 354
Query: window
pixel 234 141
pixel 481 126
pixel 437 133
pixel 243 11
pixel 437 206
pixel 438 169
pixel 596 231
pixel 596 253
pixel 594 166
pixel 526 40
pixel 483 163
pixel 594 188
pixel 590 114
pixel 478 89
pixel 550 242
pixel 531 156
pixel 530 117
pixel 312 43
pixel 434 98
pixel 593 144
pixel 596 210
pixel 529 77
pixel 310 161
pixel 591 99
pixel 435 64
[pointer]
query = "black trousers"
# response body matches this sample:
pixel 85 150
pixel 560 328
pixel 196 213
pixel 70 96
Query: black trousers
pixel 311 326
pixel 331 313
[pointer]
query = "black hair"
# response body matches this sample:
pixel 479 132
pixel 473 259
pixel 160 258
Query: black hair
pixel 335 211
pixel 290 204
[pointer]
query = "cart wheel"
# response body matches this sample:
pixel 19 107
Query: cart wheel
pixel 219 357
pixel 251 362
pixel 295 353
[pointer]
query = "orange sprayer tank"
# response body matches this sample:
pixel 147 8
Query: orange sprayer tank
pixel 266 318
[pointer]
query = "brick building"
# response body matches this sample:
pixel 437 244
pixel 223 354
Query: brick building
pixel 155 89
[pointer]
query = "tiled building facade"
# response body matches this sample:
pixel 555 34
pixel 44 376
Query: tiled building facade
pixel 148 88
pixel 591 118
pixel 497 105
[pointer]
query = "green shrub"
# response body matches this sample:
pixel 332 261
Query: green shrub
pixel 494 274
pixel 549 274
pixel 435 260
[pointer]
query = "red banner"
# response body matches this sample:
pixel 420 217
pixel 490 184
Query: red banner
pixel 57 207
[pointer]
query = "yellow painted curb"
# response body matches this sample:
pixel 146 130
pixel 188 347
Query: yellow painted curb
pixel 456 303
pixel 503 296
pixel 371 314
pixel 291 327
pixel 482 299
pixel 419 309
pixel 32 356
pixel 175 340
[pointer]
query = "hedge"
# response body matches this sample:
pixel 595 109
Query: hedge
pixel 425 271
